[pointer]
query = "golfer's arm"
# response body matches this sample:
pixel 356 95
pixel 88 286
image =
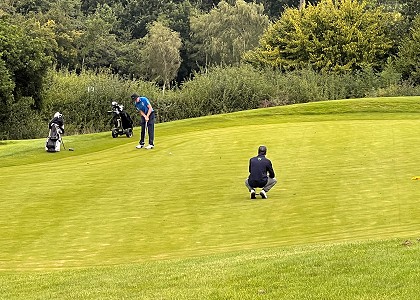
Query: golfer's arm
pixel 149 110
pixel 270 171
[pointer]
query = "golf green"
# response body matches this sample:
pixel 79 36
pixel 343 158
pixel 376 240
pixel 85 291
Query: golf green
pixel 344 174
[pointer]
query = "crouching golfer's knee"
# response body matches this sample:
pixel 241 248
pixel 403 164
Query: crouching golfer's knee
pixel 248 186
pixel 270 183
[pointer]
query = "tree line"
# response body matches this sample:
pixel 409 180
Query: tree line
pixel 169 43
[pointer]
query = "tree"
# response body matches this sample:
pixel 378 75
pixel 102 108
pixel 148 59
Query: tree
pixel 160 54
pixel 408 62
pixel 6 93
pixel 29 6
pixel 7 8
pixel 412 9
pixel 275 8
pixel 179 20
pixel 337 36
pixel 205 5
pixel 25 55
pixel 98 46
pixel 409 8
pixel 24 62
pixel 227 31
pixel 65 19
pixel 90 6
pixel 139 13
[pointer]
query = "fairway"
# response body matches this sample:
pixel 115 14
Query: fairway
pixel 344 176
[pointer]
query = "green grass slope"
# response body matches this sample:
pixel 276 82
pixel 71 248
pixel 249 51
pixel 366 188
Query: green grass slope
pixel 344 172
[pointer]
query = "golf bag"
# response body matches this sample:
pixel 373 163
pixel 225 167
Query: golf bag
pixel 56 127
pixel 121 121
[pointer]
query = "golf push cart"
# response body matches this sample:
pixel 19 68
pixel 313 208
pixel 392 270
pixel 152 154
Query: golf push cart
pixel 121 121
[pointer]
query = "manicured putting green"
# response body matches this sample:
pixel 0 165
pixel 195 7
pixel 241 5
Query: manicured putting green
pixel 343 175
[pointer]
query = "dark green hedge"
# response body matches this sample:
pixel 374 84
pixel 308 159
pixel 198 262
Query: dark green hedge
pixel 85 98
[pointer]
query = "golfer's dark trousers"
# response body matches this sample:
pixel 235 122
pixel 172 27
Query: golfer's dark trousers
pixel 265 185
pixel 150 129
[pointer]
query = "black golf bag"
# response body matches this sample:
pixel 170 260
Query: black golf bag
pixel 56 127
pixel 121 121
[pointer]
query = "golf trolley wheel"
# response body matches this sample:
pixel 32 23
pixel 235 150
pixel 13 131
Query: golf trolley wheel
pixel 129 133
pixel 114 133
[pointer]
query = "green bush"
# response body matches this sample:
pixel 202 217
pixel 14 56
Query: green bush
pixel 306 85
pixel 84 99
pixel 218 90
pixel 394 90
pixel 225 90
pixel 24 122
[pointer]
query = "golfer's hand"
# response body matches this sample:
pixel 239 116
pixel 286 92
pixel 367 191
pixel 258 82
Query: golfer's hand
pixel 146 118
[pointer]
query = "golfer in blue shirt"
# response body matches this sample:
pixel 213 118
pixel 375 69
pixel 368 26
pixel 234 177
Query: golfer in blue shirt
pixel 147 113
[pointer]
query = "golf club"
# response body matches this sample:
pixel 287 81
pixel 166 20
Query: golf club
pixel 145 129
pixel 62 143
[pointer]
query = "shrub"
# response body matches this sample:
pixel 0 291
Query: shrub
pixel 306 85
pixel 219 90
pixel 393 90
pixel 24 122
pixel 84 99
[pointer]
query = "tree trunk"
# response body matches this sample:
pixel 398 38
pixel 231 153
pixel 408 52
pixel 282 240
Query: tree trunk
pixel 302 4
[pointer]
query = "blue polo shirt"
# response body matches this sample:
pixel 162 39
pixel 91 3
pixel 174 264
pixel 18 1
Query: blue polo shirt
pixel 142 104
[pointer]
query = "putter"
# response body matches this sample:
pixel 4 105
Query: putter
pixel 145 130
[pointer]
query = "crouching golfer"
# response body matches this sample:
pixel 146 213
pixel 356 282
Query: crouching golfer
pixel 147 113
pixel 261 174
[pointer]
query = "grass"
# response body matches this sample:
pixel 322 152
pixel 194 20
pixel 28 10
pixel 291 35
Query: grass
pixel 109 221
pixel 369 270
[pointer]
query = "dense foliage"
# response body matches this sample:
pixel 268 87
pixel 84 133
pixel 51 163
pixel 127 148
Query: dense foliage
pixel 183 46
pixel 331 36
pixel 85 98
pixel 225 33
pixel 24 62
pixel 409 54
pixel 161 54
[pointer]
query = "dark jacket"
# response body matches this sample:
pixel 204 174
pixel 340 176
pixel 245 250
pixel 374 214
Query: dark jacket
pixel 260 168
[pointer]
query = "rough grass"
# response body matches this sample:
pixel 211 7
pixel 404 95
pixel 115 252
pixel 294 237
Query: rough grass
pixel 109 221
pixel 368 270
